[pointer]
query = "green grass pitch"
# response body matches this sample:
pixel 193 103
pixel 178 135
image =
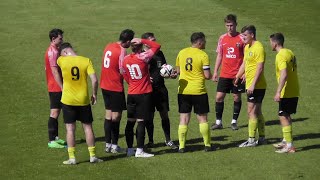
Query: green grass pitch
pixel 90 25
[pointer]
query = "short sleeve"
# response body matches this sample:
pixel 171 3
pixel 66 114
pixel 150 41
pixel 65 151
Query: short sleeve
pixel 281 62
pixel 219 46
pixel 260 55
pixel 90 69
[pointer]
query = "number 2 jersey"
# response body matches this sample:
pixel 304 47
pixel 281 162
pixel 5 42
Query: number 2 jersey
pixel 136 69
pixel 191 62
pixel 110 78
pixel 75 70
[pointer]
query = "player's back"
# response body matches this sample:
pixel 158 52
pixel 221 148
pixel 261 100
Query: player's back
pixel 137 75
pixel 191 62
pixel 75 70
pixel 110 78
pixel 286 59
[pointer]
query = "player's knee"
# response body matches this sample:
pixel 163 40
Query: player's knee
pixel 54 113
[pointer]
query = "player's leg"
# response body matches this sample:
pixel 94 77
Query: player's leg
pixel 259 95
pixel 149 121
pixel 252 124
pixel 222 89
pixel 236 110
pixel 69 116
pixel 131 115
pixel 107 121
pixel 185 107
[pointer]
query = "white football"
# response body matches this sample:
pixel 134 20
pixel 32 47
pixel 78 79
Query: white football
pixel 166 70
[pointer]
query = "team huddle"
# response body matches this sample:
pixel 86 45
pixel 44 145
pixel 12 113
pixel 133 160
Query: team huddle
pixel 240 60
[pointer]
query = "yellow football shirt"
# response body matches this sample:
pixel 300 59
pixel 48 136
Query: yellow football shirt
pixel 252 56
pixel 75 70
pixel 285 59
pixel 192 62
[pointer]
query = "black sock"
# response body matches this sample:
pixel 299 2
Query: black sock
pixel 150 127
pixel 107 130
pixel 52 128
pixel 140 133
pixel 129 133
pixel 166 128
pixel 219 110
pixel 236 109
pixel 115 131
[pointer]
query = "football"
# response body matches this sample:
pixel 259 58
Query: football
pixel 166 70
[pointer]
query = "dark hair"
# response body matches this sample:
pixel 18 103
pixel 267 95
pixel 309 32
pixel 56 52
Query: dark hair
pixel 147 35
pixel 136 47
pixel 126 35
pixel 278 38
pixel 197 36
pixel 250 28
pixel 230 18
pixel 64 46
pixel 54 33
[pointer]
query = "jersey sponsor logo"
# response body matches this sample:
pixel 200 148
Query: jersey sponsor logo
pixel 230 53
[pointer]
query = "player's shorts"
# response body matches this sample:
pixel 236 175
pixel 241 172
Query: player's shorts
pixel 55 100
pixel 200 103
pixel 160 99
pixel 114 101
pixel 73 113
pixel 257 96
pixel 225 85
pixel 288 106
pixel 139 106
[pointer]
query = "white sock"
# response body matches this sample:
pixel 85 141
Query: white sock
pixel 251 140
pixel 139 150
pixel 57 138
pixel 114 146
pixel 289 145
pixel 218 121
pixel 233 121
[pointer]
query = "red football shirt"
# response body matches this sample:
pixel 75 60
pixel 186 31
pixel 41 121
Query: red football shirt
pixel 231 49
pixel 51 57
pixel 136 69
pixel 110 78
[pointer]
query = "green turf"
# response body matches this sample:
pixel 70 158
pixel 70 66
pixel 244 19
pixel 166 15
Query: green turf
pixel 90 25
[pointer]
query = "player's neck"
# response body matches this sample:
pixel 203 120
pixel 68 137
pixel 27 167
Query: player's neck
pixel 252 42
pixel 232 34
pixel 278 48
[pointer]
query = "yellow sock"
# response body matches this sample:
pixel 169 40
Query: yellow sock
pixel 261 126
pixel 71 151
pixel 182 133
pixel 92 151
pixel 252 127
pixel 205 131
pixel 287 133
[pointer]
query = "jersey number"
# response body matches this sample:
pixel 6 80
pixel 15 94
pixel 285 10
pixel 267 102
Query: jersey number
pixel 106 60
pixel 188 64
pixel 75 73
pixel 134 71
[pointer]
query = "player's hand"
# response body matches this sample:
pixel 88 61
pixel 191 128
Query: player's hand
pixel 277 97
pixel 215 77
pixel 235 82
pixel 173 74
pixel 243 77
pixel 93 99
pixel 250 90
pixel 136 41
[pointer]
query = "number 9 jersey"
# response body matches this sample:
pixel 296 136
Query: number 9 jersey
pixel 75 70
pixel 191 62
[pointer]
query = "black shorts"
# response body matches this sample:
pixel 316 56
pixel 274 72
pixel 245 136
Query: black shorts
pixel 160 99
pixel 257 96
pixel 73 113
pixel 114 101
pixel 139 106
pixel 225 85
pixel 55 100
pixel 288 106
pixel 200 103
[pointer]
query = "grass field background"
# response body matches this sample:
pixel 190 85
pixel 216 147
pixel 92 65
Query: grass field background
pixel 90 25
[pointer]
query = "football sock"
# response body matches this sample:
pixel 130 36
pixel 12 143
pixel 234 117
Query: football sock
pixel 140 133
pixel 129 133
pixel 166 128
pixel 252 127
pixel 182 133
pixel 204 130
pixel 287 133
pixel 71 151
pixel 219 110
pixel 150 127
pixel 261 126
pixel 92 151
pixel 52 128
pixel 236 109
pixel 115 131
pixel 107 130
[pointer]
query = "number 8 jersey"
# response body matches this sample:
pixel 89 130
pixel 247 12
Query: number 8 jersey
pixel 136 69
pixel 191 62
pixel 75 70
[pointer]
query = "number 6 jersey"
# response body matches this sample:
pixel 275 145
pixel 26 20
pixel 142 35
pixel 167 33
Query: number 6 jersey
pixel 75 70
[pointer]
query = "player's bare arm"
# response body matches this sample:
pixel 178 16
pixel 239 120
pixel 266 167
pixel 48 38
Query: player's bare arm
pixel 94 82
pixel 282 82
pixel 57 75
pixel 240 74
pixel 216 67
pixel 260 67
